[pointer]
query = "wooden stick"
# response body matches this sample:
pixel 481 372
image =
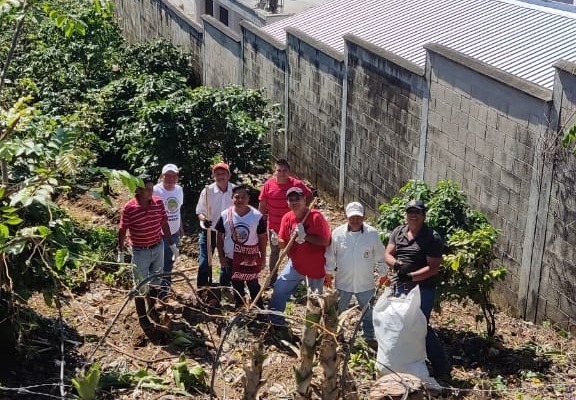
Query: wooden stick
pixel 282 255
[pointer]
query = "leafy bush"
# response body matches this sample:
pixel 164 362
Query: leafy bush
pixel 467 269
pixel 150 120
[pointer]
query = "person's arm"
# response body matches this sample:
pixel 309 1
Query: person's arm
pixel 220 248
pixel 379 254
pixel 263 207
pixel 121 239
pixel 324 237
pixel 331 257
pixel 201 210
pixel 283 234
pixel 432 268
pixel 220 232
pixel 181 228
pixel 166 232
pixel 390 255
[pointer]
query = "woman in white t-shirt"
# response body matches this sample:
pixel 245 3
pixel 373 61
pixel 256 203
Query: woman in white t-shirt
pixel 172 196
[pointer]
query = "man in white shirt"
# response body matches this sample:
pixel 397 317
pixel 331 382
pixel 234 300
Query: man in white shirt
pixel 354 253
pixel 214 199
pixel 172 196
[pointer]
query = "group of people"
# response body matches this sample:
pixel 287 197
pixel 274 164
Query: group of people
pixel 345 258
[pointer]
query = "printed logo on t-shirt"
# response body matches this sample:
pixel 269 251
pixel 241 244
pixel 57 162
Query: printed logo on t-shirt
pixel 172 204
pixel 241 233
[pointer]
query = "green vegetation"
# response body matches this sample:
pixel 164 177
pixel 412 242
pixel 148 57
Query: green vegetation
pixel 78 106
pixel 468 271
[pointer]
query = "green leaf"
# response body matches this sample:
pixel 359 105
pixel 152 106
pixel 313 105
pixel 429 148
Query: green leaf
pixel 4 231
pixel 14 221
pixel 86 384
pixel 44 231
pixel 61 258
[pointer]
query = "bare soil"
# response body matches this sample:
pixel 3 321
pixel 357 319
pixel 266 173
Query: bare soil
pixel 524 362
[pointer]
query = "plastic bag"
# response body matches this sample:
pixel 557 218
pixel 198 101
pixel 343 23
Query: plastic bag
pixel 400 328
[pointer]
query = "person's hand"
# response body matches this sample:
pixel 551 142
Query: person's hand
pixel 206 223
pixel 273 238
pixel 401 277
pixel 397 265
pixel 120 257
pixel 301 233
pixel 328 280
pixel 175 252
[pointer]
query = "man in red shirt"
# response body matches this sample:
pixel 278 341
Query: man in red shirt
pixel 307 261
pixel 273 206
pixel 144 217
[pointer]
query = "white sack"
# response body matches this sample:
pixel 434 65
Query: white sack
pixel 400 328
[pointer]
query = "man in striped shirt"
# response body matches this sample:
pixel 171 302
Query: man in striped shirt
pixel 273 206
pixel 144 218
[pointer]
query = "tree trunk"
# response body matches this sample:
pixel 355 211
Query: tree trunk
pixel 329 358
pixel 308 346
pixel 253 370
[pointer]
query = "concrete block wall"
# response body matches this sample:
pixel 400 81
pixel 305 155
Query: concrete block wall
pixel 383 122
pixel 264 67
pixel 223 53
pixel 314 109
pixel 142 20
pixel 360 123
pixel 556 297
pixel 483 133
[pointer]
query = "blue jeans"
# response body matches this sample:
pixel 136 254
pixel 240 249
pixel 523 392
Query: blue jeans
pixel 204 272
pixel 168 264
pixel 285 284
pixel 363 299
pixel 146 262
pixel 434 347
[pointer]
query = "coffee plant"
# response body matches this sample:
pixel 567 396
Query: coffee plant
pixel 468 268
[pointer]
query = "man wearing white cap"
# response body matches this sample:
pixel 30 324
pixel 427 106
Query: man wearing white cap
pixel 172 196
pixel 354 253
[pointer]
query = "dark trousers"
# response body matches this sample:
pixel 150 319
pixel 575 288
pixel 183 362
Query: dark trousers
pixel 204 271
pixel 253 288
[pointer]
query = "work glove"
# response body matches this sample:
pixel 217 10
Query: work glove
pixel 120 257
pixel 175 252
pixel 273 238
pixel 328 280
pixel 301 233
pixel 401 277
pixel 384 281
pixel 206 223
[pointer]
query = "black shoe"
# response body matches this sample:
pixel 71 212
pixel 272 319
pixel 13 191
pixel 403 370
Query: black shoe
pixel 283 333
pixel 372 343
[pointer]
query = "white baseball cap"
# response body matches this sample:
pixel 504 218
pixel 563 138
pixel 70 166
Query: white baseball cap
pixel 169 167
pixel 354 209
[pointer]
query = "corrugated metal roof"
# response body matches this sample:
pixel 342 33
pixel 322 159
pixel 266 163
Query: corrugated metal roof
pixel 523 38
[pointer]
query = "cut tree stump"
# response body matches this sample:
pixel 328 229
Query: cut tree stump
pixel 395 386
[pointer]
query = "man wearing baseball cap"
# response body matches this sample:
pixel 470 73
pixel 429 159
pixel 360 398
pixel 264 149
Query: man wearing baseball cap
pixel 307 261
pixel 355 252
pixel 273 206
pixel 172 196
pixel 213 199
pixel 144 218
pixel 414 252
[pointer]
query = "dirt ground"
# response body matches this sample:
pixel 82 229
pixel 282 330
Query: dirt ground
pixel 100 325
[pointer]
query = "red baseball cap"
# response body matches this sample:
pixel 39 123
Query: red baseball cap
pixel 221 165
